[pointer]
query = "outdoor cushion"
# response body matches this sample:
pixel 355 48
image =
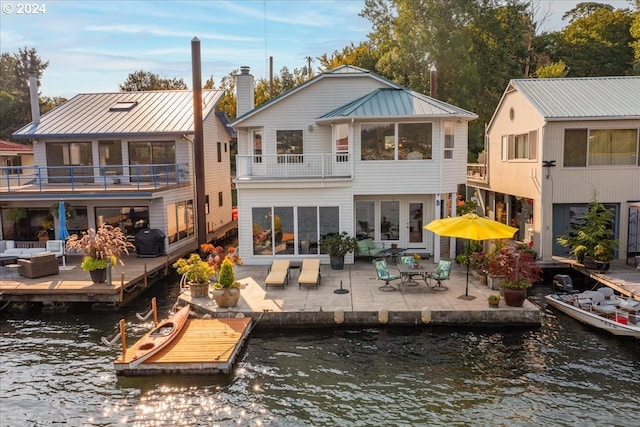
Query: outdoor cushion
pixel 278 273
pixel 366 247
pixel 309 273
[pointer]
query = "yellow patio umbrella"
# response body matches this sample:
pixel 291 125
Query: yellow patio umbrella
pixel 470 226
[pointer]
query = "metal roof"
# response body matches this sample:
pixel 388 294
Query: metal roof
pixel 582 98
pixel 400 102
pixel 99 115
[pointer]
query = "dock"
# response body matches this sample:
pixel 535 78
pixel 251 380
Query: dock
pixel 203 346
pixel 73 285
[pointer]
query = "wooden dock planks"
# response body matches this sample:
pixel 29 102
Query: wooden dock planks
pixel 203 346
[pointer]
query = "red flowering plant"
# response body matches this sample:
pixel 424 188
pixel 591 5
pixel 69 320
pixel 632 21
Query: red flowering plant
pixel 518 267
pixel 216 255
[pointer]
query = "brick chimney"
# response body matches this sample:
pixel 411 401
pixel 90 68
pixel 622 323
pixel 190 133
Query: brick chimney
pixel 244 91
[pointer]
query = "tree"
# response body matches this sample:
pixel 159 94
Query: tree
pixel 635 34
pixel 145 80
pixel 597 41
pixel 15 70
pixel 362 56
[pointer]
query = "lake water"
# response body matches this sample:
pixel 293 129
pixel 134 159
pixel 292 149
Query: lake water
pixel 54 370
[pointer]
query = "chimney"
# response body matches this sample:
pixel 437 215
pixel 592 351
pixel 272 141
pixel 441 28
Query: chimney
pixel 244 91
pixel 433 81
pixel 35 104
pixel 198 142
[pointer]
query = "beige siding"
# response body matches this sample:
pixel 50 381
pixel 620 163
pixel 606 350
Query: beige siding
pixel 217 174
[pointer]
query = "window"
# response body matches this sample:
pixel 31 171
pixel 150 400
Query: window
pixel 377 141
pixel 257 146
pixel 341 138
pixel 219 146
pixel 365 219
pixel 13 162
pixel 220 200
pixel 389 220
pixel 110 155
pixel 600 147
pixel 520 147
pixel 275 233
pixel 449 140
pixel 129 219
pixel 180 223
pixel 414 141
pixel 160 153
pixel 78 155
pixel 289 144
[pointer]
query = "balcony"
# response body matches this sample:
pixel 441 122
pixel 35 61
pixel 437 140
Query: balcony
pixel 477 172
pixel 92 178
pixel 292 166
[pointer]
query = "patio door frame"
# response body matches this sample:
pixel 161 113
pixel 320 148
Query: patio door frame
pixel 407 216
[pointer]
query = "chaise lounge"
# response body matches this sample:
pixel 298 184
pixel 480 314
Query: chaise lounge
pixel 278 274
pixel 309 273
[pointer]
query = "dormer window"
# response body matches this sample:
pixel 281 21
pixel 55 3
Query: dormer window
pixel 123 106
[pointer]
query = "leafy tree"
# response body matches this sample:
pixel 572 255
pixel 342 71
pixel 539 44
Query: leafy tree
pixel 556 69
pixel 15 70
pixel 282 82
pixel 635 34
pixel 145 80
pixel 597 41
pixel 362 56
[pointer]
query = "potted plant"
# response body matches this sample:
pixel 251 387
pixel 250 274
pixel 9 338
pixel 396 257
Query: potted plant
pixel 101 248
pixel 226 291
pixel 337 245
pixel 197 273
pixel 519 270
pixel 479 262
pixel 591 239
pixel 493 300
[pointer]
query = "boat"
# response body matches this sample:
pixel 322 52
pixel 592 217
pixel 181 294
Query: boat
pixel 601 309
pixel 158 338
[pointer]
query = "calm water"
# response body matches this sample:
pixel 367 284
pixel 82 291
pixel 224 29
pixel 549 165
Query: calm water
pixel 54 370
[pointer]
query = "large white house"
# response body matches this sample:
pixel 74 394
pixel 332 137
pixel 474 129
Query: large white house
pixel 550 145
pixel 124 159
pixel 347 150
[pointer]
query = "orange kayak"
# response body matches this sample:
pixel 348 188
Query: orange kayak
pixel 159 337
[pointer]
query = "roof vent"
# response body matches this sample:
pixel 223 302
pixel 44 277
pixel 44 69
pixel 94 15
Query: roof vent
pixel 123 106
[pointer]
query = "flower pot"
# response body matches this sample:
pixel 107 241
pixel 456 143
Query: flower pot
pixel 199 290
pixel 226 298
pixel 494 282
pixel 99 275
pixel 482 278
pixel 514 297
pixel 602 265
pixel 337 262
pixel 494 304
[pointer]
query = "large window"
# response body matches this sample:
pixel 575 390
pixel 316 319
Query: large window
pixel 341 138
pixel 275 232
pixel 289 143
pixel 180 223
pixel 520 147
pixel 600 147
pixel 389 220
pixel 414 141
pixel 110 155
pixel 449 140
pixel 129 219
pixel 365 219
pixel 257 145
pixel 77 154
pixel 161 153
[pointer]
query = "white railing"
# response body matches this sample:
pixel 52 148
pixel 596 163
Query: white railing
pixel 294 166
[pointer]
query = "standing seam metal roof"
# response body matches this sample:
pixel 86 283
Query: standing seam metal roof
pixel 90 115
pixel 391 102
pixel 585 97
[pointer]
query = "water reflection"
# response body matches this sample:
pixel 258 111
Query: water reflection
pixel 54 369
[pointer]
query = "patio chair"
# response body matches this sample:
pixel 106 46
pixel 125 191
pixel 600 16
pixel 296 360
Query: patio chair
pixel 383 274
pixel 441 274
pixel 278 273
pixel 309 273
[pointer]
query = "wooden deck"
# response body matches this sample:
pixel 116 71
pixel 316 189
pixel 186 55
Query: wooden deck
pixel 204 346
pixel 72 284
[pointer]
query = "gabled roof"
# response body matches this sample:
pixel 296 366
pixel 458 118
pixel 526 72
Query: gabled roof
pixel 102 115
pixel 582 98
pixel 340 72
pixel 14 146
pixel 395 103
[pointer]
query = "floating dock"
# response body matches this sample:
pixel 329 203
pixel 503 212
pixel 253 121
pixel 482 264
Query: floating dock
pixel 203 346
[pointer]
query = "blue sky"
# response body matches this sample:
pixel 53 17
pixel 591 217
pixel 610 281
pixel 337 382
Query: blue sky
pixel 92 46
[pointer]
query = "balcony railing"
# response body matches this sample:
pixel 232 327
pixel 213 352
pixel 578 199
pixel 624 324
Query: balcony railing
pixel 41 178
pixel 477 172
pixel 294 166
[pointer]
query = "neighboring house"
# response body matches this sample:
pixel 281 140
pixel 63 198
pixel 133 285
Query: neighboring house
pixel 348 151
pixel 550 144
pixel 124 159
pixel 13 154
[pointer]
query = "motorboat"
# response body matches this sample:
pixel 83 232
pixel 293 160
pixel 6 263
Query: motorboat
pixel 601 309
